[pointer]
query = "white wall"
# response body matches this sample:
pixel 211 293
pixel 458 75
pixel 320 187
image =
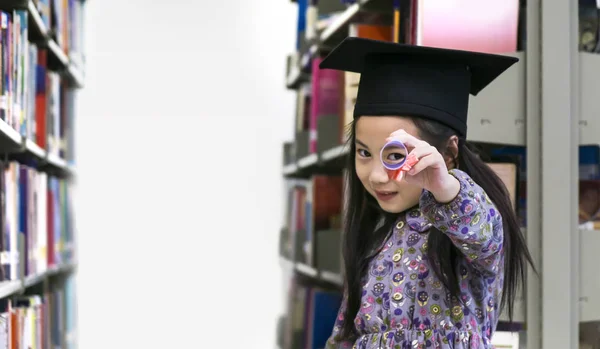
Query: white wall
pixel 178 249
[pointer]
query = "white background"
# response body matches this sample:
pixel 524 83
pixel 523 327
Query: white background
pixel 180 130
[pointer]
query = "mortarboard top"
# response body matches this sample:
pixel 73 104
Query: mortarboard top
pixel 419 81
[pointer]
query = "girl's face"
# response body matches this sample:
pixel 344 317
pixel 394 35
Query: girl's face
pixel 371 132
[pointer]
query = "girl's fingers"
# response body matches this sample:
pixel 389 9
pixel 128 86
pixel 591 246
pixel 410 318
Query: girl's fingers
pixel 424 162
pixel 421 151
pixel 416 154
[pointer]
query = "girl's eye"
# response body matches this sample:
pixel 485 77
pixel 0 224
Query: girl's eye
pixel 363 153
pixel 395 157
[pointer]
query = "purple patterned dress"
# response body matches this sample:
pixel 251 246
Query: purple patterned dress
pixel 404 305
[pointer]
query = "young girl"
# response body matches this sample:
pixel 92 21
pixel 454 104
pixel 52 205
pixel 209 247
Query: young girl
pixel 431 258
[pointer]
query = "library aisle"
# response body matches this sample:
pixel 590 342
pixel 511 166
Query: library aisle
pixel 522 125
pixel 42 68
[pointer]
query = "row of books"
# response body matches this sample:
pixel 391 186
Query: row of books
pixel 40 321
pixel 312 16
pixel 426 22
pixel 65 23
pixel 312 316
pixel 313 218
pixel 63 20
pixel 35 101
pixel 36 218
pixel 463 24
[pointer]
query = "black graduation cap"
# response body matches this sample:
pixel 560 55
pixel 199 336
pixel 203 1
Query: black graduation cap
pixel 419 81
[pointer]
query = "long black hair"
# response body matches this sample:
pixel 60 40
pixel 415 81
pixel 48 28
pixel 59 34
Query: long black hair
pixel 366 226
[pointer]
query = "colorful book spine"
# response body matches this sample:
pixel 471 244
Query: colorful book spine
pixel 38 227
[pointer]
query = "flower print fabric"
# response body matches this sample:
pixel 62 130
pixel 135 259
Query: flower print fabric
pixel 404 305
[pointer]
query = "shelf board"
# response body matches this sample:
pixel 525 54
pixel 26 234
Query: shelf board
pixel 51 272
pixel 10 288
pixel 37 22
pixel 10 139
pixel 294 78
pixel 337 30
pixel 14 4
pixel 55 161
pixel 303 166
pixel 286 263
pixel 313 273
pixel 58 52
pixel 57 166
pixel 333 278
pixel 307 270
pixel 334 153
pixel 297 73
pixel 308 161
pixel 328 159
pixel 25 150
pixel 34 149
pixel 34 280
pixel 340 22
pixel 290 169
pixel 308 56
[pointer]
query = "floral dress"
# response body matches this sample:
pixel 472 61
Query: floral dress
pixel 404 304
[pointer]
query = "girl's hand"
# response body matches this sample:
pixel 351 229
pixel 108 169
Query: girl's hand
pixel 430 171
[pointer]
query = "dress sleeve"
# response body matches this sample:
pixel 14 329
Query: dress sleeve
pixel 472 222
pixel 334 342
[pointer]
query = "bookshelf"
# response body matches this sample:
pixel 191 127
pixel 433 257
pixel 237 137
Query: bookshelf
pixel 544 108
pixel 42 67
